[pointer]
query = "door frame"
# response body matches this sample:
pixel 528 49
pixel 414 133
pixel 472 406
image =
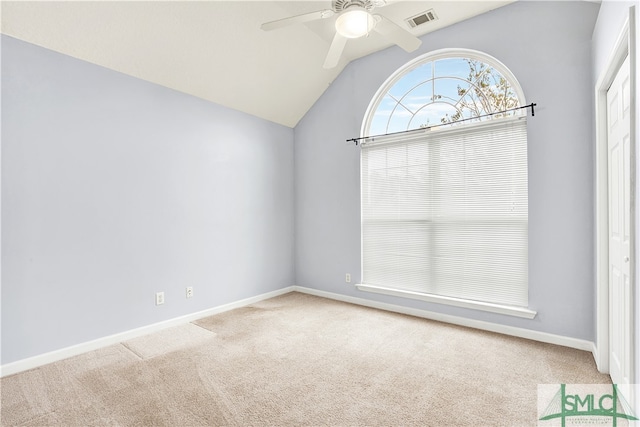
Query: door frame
pixel 625 45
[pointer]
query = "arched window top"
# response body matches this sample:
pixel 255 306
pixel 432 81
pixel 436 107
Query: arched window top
pixel 443 87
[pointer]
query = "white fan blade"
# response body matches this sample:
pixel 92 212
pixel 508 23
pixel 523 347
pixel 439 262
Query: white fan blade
pixel 382 3
pixel 335 51
pixel 397 34
pixel 311 16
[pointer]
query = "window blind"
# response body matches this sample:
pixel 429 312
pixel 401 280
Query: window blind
pixel 445 212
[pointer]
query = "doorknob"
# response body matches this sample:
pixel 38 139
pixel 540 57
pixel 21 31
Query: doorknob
pixel 626 259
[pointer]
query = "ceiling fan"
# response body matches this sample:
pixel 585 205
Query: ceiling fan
pixel 354 20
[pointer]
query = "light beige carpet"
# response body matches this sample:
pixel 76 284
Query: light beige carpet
pixel 301 360
pixel 168 340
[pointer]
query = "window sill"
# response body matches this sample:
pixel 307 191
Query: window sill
pixel 458 302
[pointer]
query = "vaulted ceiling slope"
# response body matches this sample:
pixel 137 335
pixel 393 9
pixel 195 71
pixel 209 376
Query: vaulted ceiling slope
pixel 215 49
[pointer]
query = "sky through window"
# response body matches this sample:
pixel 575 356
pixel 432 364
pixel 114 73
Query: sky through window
pixel 443 91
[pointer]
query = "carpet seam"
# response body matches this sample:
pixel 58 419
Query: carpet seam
pixel 202 327
pixel 132 351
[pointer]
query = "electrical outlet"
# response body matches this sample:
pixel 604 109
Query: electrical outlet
pixel 159 298
pixel 189 291
pixel 347 278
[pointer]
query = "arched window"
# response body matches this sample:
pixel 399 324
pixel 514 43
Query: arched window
pixel 445 210
pixel 442 87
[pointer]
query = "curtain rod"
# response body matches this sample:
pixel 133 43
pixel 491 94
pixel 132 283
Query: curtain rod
pixel 533 113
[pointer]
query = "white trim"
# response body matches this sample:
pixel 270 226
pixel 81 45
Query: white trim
pixel 421 134
pixel 458 302
pixel 54 356
pixel 625 45
pixel 594 352
pixel 455 320
pixel 64 353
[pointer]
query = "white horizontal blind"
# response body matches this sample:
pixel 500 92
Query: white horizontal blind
pixel 445 212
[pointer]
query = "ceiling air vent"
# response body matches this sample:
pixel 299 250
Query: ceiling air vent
pixel 422 18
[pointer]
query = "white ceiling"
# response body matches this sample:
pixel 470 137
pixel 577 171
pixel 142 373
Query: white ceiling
pixel 215 49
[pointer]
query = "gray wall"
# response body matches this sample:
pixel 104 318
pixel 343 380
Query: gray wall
pixel 547 45
pixel 114 188
pixel 608 27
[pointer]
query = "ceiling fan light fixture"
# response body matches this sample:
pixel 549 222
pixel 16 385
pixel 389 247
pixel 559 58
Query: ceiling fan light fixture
pixel 355 22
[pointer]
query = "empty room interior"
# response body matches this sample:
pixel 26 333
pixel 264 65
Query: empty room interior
pixel 347 212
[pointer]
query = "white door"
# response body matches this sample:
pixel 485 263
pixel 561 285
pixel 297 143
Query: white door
pixel 620 274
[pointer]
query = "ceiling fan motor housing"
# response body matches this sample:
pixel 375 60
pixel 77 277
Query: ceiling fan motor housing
pixel 341 5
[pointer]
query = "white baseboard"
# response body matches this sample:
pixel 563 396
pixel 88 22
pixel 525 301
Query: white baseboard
pixel 64 353
pixel 461 321
pixel 54 356
pixel 596 357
